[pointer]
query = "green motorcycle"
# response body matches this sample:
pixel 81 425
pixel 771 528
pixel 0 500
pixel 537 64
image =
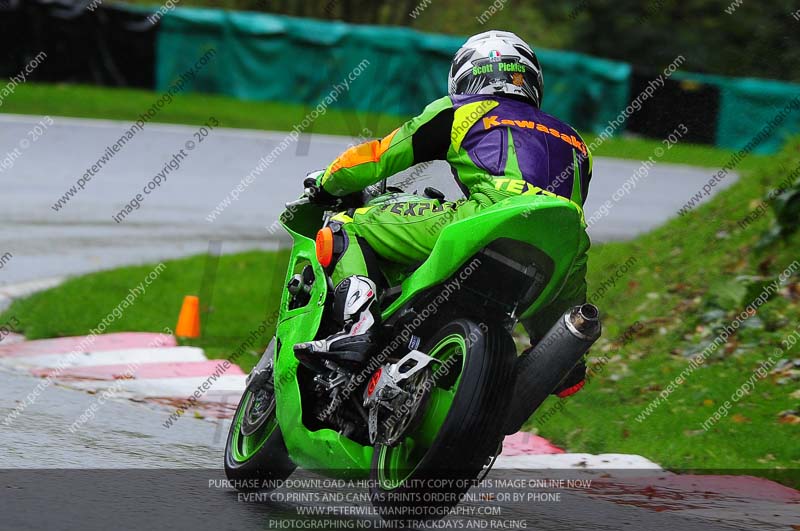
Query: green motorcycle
pixel 425 418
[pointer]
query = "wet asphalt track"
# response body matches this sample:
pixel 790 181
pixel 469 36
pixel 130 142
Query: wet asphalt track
pixel 171 222
pixel 169 479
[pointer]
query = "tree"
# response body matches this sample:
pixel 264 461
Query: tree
pixel 756 39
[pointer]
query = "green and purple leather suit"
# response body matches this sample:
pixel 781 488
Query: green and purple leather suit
pixel 497 147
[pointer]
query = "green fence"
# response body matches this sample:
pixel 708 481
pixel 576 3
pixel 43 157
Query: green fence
pixel 399 70
pixel 758 115
pixel 270 57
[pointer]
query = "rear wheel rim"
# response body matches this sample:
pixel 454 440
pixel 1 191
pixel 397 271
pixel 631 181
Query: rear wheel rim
pixel 397 463
pixel 244 447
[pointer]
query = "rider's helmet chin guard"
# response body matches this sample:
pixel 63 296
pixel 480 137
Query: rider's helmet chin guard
pixel 496 62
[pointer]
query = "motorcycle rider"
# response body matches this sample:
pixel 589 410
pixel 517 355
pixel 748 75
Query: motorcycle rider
pixel 499 144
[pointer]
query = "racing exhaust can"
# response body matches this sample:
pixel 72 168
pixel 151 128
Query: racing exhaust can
pixel 542 368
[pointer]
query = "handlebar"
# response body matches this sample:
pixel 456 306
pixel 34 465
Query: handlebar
pixel 355 199
pixel 302 201
pixel 298 202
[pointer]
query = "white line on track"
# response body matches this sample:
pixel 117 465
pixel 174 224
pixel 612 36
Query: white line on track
pixel 113 357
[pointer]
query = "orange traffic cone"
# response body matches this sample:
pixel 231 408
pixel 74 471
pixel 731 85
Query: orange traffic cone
pixel 189 318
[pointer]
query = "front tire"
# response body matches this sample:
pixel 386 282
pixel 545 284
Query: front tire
pixel 255 454
pixel 425 474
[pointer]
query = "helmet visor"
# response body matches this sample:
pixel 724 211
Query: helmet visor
pixel 498 73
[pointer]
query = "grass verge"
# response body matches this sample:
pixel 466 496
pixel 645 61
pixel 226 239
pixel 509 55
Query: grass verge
pixel 682 285
pixel 236 296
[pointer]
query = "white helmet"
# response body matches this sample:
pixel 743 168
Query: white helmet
pixel 496 62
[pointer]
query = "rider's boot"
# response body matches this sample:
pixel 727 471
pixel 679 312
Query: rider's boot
pixel 355 307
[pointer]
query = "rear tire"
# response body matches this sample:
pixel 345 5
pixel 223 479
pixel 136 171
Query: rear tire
pixel 428 485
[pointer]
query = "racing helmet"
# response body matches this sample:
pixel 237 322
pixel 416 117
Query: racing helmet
pixel 496 62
